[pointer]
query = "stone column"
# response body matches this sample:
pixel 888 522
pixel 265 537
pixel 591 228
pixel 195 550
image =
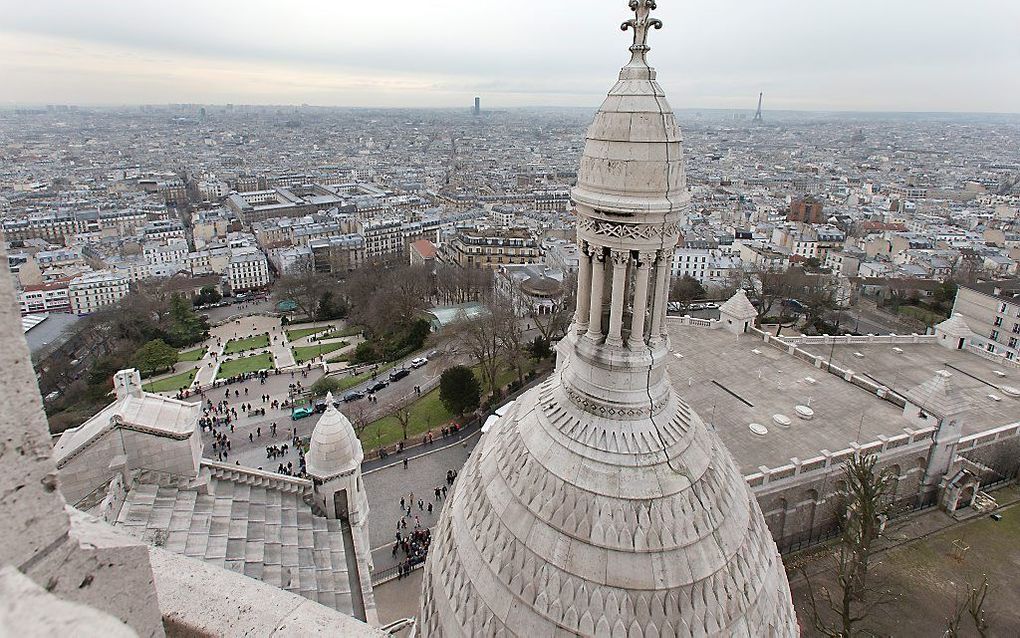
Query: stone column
pixel 660 296
pixel 620 260
pixel 637 321
pixel 598 272
pixel 583 289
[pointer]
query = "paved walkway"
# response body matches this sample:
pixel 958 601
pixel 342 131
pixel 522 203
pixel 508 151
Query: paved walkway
pixel 426 470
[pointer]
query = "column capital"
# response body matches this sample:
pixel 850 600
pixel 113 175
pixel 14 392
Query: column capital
pixel 646 257
pixel 620 257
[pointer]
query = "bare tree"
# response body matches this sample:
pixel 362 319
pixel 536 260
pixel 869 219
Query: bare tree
pixel 973 604
pixel 403 415
pixel 765 285
pixel 866 506
pixel 481 336
pixel 304 289
pixel 358 415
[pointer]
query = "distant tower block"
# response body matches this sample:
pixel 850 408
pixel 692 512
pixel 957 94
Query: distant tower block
pixel 478 106
pixel 757 114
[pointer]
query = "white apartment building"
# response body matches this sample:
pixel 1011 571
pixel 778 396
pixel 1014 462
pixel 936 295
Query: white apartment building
pixel 90 292
pixel 248 270
pixel 213 190
pixel 992 311
pixel 169 255
pixel 706 262
pixel 48 297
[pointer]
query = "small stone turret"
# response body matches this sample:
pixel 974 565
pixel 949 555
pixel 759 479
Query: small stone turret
pixel 334 465
pixel 738 313
pixel 128 383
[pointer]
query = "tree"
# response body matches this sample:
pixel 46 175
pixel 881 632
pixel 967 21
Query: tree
pixel 973 604
pixel 481 336
pixel 459 390
pixel 305 289
pixel 686 289
pixel 331 306
pixel 153 356
pixel 765 285
pixel 403 415
pixel 207 295
pixel 186 327
pixel 865 510
pixel 324 385
pixel 540 348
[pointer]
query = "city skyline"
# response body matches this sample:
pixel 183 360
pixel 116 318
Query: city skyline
pixel 913 56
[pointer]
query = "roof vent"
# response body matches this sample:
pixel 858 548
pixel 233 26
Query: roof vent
pixel 758 428
pixel 898 350
pixel 859 355
pixel 999 373
pixel 804 412
pixel 781 420
pixel 810 380
pixel 995 397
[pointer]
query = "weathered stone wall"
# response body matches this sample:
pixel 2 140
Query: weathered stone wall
pixel 79 562
pixel 89 469
pixel 805 508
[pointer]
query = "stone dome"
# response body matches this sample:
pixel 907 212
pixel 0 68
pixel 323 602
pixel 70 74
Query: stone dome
pixel 600 503
pixel 562 523
pixel 633 151
pixel 334 448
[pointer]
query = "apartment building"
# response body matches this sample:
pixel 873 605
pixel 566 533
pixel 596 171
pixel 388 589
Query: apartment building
pixel 992 311
pixel 384 239
pixel 248 270
pixel 490 247
pixel 47 297
pixel 90 292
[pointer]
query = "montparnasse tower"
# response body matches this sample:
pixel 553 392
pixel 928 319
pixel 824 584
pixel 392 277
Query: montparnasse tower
pixel 600 504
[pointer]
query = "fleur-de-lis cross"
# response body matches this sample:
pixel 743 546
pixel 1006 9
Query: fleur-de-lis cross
pixel 641 23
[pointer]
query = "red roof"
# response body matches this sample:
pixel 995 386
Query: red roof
pixel 425 248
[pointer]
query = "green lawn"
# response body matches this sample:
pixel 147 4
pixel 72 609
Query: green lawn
pixel 350 331
pixel 349 382
pixel 171 384
pixel 191 355
pixel 926 317
pixel 245 364
pixel 307 353
pixel 427 413
pixel 251 343
pixel 298 333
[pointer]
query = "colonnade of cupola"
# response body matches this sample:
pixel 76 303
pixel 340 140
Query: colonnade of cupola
pixel 622 294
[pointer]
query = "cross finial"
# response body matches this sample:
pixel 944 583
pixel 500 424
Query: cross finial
pixel 641 22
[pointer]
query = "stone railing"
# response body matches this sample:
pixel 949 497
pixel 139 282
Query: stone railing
pixel 687 320
pixel 826 461
pixel 857 339
pixel 988 437
pixel 821 363
pixel 249 476
pixel 998 358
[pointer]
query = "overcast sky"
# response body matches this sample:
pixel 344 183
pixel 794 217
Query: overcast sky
pixel 886 55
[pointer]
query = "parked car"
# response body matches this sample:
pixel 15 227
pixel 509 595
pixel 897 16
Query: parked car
pixel 378 385
pixel 353 395
pixel 397 375
pixel 300 413
pixel 418 362
pixel 320 406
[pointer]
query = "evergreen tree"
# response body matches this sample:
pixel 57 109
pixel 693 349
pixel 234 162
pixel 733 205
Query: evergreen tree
pixel 459 390
pixel 154 356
